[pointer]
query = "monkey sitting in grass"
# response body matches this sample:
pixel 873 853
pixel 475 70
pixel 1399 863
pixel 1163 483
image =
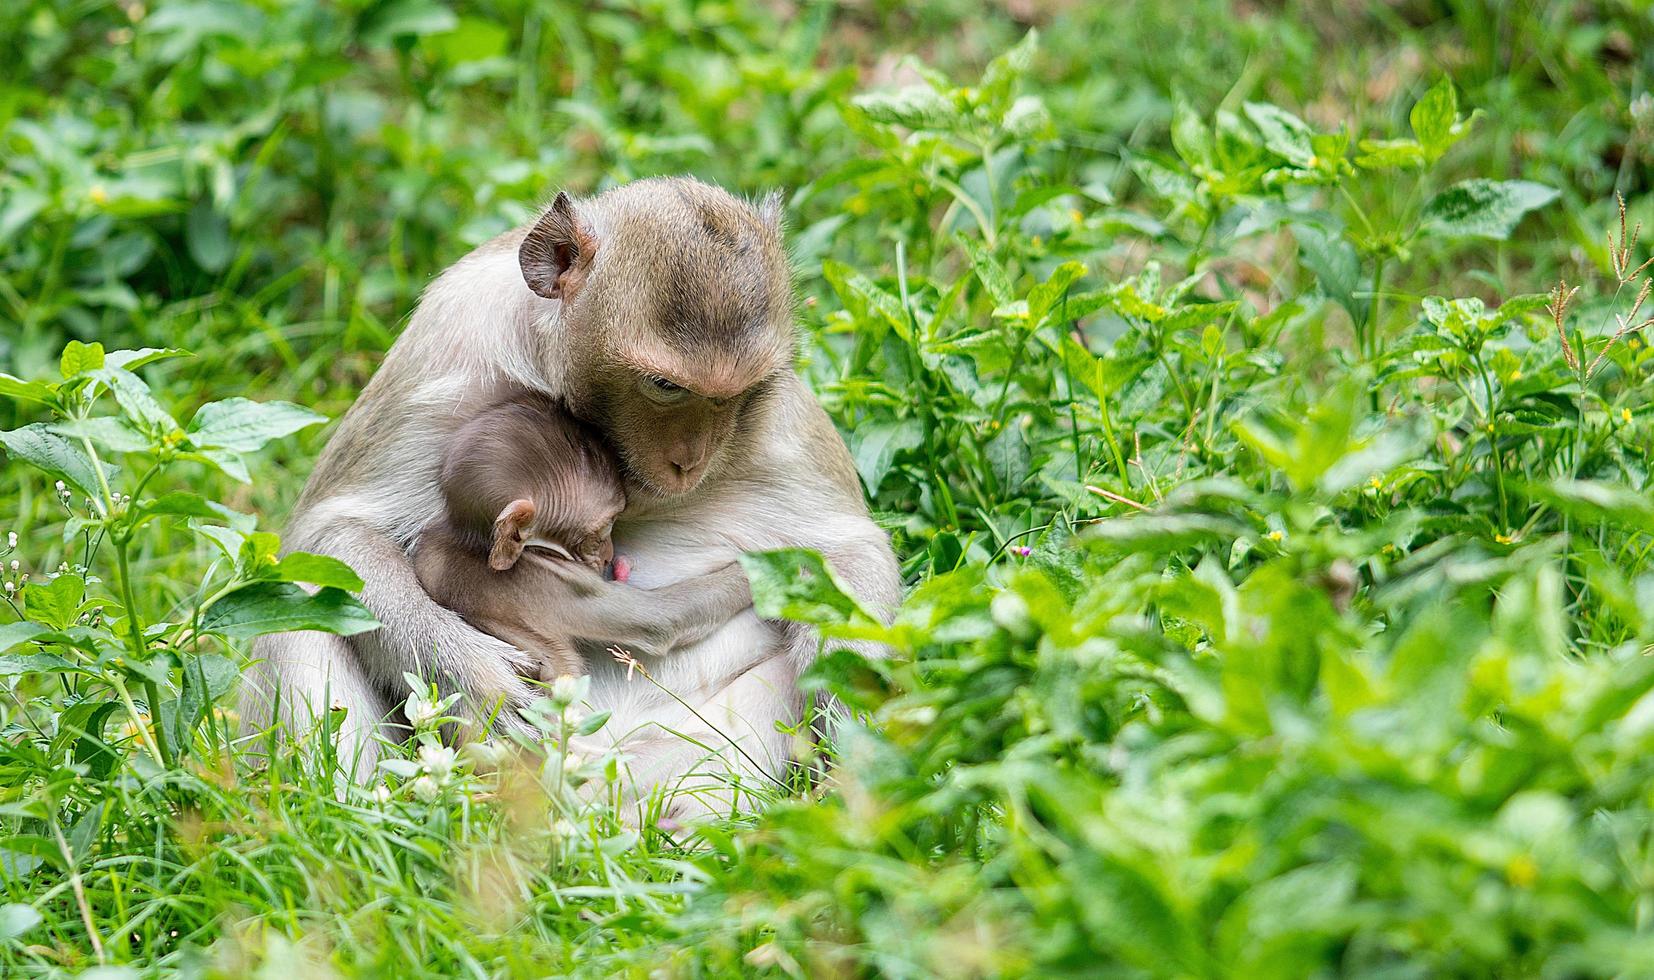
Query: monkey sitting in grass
pixel 531 496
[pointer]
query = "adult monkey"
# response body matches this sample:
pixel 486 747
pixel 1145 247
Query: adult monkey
pixel 662 312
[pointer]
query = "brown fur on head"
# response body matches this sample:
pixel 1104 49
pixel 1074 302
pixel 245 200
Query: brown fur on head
pixel 677 316
pixel 525 471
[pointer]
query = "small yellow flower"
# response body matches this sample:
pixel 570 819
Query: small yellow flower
pixel 1625 415
pixel 858 205
pixel 1075 214
pixel 1036 241
pixel 1633 343
pixel 98 194
pixel 1515 376
pixel 1504 538
pixel 1522 871
pixel 1275 535
pixel 1376 483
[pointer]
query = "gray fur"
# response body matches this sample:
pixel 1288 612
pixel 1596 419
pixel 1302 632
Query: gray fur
pixel 774 474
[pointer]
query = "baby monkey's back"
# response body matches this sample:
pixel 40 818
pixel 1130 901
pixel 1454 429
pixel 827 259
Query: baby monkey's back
pixel 522 475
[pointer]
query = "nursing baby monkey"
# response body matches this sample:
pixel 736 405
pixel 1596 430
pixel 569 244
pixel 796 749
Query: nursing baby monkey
pixel 531 499
pixel 661 314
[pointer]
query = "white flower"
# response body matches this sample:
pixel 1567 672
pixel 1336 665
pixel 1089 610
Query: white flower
pixel 15 564
pixel 420 711
pixel 60 486
pixel 426 788
pixel 565 830
pixel 11 540
pixel 565 689
pixel 381 794
pixel 437 761
pixel 11 586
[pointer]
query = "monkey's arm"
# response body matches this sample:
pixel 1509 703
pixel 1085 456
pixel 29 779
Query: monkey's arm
pixel 420 636
pixel 563 598
pixel 492 601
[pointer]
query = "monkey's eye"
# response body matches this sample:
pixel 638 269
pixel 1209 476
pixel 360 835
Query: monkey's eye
pixel 662 390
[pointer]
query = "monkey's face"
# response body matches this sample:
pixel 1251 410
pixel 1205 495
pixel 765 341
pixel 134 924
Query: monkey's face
pixel 669 435
pixel 676 315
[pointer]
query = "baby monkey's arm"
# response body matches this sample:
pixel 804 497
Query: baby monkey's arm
pixel 570 599
pixel 464 582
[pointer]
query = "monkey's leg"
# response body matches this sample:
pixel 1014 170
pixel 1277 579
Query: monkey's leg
pixel 723 756
pixel 297 678
pixel 420 637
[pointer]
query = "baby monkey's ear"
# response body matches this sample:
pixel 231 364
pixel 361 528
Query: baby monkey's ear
pixel 510 534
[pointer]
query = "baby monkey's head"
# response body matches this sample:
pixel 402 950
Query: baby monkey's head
pixel 526 475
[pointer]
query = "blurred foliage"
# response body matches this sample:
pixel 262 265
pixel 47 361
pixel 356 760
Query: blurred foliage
pixel 1278 528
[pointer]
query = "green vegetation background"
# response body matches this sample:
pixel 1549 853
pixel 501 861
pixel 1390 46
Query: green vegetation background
pixel 1279 550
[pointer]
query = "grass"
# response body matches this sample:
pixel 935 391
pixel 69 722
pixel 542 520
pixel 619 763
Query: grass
pixel 1276 527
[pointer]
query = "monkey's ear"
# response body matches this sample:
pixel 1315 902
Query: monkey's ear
pixel 509 535
pixel 769 209
pixel 558 251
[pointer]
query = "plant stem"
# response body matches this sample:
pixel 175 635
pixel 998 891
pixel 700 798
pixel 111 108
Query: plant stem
pixel 134 636
pixel 1369 338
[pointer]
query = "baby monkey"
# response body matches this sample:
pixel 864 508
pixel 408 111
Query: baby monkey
pixel 531 497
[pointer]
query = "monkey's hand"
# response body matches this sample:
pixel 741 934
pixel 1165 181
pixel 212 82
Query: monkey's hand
pixel 419 636
pixel 653 622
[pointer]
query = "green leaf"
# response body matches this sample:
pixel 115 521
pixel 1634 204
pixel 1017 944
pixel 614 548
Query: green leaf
pixel 1390 154
pixel 45 450
pixel 592 722
pixel 134 397
pixel 17 919
pixel 1484 208
pixel 1284 134
pixel 861 294
pixel 55 603
pixel 230 464
pixel 405 19
pixel 988 270
pixel 1190 136
pixel 12 664
pixel 472 39
pixel 1591 500
pixel 911 107
pixel 798 584
pixel 28 391
pixel 1435 119
pixel 18 633
pixel 1335 264
pixel 241 425
pixel 112 433
pixel 318 570
pixel 258 552
pixel 180 503
pixel 876 443
pixel 207 236
pixel 1049 296
pixel 278 607
pixel 78 358
pixel 131 360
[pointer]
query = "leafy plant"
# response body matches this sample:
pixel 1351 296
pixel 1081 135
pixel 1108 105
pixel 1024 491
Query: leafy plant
pixel 90 631
pixel 1277 535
